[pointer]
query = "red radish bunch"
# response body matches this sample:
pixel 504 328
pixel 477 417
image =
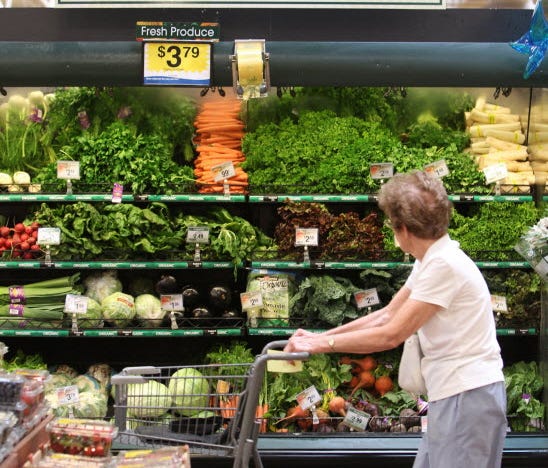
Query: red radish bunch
pixel 19 241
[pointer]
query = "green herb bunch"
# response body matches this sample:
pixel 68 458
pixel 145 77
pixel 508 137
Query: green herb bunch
pixel 22 141
pixel 491 230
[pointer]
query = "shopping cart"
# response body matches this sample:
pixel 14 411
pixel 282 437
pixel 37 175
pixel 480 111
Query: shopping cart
pixel 211 408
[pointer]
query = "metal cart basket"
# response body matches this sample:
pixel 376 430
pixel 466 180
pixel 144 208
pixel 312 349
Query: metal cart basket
pixel 211 408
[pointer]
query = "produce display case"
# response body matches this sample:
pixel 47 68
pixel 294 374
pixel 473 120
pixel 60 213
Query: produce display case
pixel 461 47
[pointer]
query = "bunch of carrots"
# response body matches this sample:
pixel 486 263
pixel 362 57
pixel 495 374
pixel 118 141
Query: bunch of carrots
pixel 219 132
pixel 228 406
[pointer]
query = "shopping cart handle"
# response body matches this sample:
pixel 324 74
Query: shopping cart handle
pixel 279 344
pixel 140 370
pixel 293 356
pixel 134 375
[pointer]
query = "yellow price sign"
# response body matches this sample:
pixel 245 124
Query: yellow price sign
pixel 177 63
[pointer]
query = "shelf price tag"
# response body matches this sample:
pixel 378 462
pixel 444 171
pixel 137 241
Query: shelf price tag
pixel 308 398
pixel 437 169
pixel 117 193
pixel 381 170
pixel 223 171
pixel 68 395
pixel 17 310
pixel 495 173
pixel 76 304
pixel 69 170
pixel 499 303
pixel 366 298
pixel 251 300
pixel 177 63
pixel 356 419
pixel 306 236
pixel 48 236
pixel 197 235
pixel 172 302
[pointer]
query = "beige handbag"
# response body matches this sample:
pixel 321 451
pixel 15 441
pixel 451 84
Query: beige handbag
pixel 410 375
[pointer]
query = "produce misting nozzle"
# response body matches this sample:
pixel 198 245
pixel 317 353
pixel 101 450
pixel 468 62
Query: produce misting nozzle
pixel 47 258
pixel 197 253
pixel 306 255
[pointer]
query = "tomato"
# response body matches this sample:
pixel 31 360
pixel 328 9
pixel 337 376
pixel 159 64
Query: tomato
pixel 57 447
pixel 100 450
pixel 74 450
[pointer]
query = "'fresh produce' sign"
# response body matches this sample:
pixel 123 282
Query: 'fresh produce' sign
pixel 166 31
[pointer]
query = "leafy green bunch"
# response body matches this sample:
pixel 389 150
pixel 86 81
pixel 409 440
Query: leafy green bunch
pixel 326 153
pixel 490 231
pixel 231 237
pixel 151 111
pixel 523 392
pixel 141 163
pixel 323 301
pixel 344 236
pixel 122 231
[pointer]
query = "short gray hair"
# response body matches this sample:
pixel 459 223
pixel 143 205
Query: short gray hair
pixel 417 201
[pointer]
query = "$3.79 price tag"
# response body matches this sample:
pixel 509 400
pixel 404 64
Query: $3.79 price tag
pixel 177 63
pixel 68 395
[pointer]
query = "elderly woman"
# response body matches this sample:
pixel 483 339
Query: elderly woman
pixel 446 300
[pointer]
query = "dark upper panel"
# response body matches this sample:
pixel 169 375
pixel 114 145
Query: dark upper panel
pixel 450 25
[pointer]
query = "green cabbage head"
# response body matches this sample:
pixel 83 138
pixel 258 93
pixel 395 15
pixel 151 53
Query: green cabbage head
pixel 148 310
pixel 189 390
pixel 147 400
pixel 118 309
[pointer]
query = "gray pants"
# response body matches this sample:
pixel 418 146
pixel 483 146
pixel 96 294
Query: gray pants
pixel 466 430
